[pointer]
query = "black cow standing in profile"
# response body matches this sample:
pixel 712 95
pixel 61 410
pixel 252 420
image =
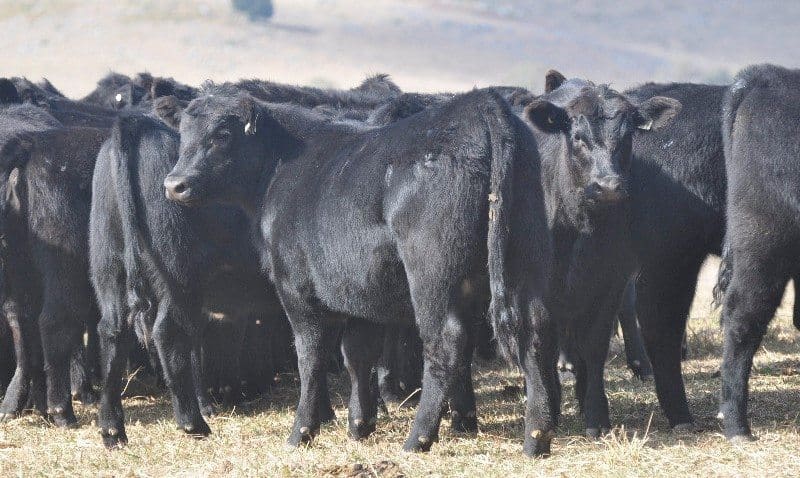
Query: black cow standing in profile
pixel 157 265
pixel 374 227
pixel 761 135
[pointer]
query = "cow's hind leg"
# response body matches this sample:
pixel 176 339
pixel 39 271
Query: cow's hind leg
pixel 175 349
pixel 538 358
pixel 463 410
pixel 361 347
pixel 204 401
pixel 634 346
pixel 60 323
pixel 754 294
pixel 446 351
pixel 387 368
pixel 115 340
pixel 27 385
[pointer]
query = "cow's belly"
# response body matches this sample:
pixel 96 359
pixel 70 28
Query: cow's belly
pixel 360 274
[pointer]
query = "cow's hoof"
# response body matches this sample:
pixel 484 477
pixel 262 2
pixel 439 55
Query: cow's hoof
pixel 689 427
pixel 595 433
pixel 62 418
pixel 640 371
pixel 742 438
pixel 197 430
pixel 390 397
pixel 566 367
pixel 327 415
pixel 5 417
pixel 537 443
pixel 114 438
pixel 302 436
pixel 86 397
pixel 361 429
pixel 208 410
pixel 464 423
pixel 419 443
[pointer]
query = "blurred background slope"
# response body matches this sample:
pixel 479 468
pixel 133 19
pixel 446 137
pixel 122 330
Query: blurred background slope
pixel 426 45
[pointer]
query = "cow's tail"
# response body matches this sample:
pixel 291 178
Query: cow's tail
pixel 14 155
pixel 724 275
pixel 503 314
pixel 744 82
pixel 126 137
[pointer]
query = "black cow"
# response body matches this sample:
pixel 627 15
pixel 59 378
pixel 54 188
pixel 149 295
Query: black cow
pixel 16 119
pixel 761 137
pixel 186 256
pixel 150 264
pixel 586 183
pixel 118 91
pixel 46 178
pixel 675 219
pixel 36 93
pixel 65 110
pixel 387 224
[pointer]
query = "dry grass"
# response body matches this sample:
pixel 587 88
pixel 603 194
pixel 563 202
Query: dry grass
pixel 249 441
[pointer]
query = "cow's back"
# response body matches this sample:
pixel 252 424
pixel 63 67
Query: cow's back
pixel 762 127
pixel 678 175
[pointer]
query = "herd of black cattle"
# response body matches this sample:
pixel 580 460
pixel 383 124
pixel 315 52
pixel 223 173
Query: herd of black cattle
pixel 193 231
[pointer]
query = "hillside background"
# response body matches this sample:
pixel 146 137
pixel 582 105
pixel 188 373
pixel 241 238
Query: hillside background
pixel 426 45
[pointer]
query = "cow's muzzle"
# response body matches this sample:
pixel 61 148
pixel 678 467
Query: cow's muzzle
pixel 607 189
pixel 177 189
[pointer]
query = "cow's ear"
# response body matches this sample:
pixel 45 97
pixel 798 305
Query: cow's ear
pixel 657 112
pixel 552 80
pixel 547 117
pixel 168 109
pixel 8 92
pixel 161 87
pixel 143 80
pixel 249 114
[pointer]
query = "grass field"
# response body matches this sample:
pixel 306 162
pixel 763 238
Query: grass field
pixel 249 440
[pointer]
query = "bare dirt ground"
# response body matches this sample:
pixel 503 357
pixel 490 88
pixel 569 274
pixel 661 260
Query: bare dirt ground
pixel 427 45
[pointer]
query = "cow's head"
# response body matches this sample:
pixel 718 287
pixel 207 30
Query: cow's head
pixel 220 153
pixel 601 124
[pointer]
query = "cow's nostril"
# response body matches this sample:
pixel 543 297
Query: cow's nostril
pixel 179 188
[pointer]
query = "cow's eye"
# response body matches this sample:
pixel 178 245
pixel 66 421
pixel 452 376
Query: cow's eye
pixel 221 137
